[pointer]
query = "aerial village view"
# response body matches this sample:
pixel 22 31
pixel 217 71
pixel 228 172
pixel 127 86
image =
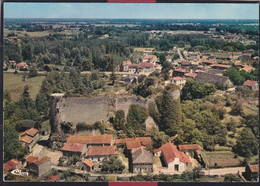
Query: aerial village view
pixel 88 97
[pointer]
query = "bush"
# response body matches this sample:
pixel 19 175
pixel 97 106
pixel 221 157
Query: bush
pixel 66 127
pixel 83 126
pixel 231 178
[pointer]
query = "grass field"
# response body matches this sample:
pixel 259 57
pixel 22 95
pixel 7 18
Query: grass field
pixel 14 84
pixel 222 159
pixel 142 49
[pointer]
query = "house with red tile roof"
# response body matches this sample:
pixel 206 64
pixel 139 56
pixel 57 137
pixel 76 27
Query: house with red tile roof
pixel 174 159
pixel 180 81
pixel 251 172
pixel 29 137
pixel 126 65
pixel 40 166
pixel 88 165
pixel 146 67
pixel 132 143
pixel 97 153
pixel 150 59
pixel 189 149
pixel 12 164
pixel 247 68
pixel 180 72
pixel 220 66
pixel 190 75
pixel 53 178
pixel 71 149
pixel 253 85
pixel 21 65
pixel 100 140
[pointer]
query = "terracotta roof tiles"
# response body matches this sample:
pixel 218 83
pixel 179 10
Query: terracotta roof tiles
pixel 101 151
pixel 254 168
pixel 73 147
pixel 11 164
pixel 26 139
pixel 53 178
pixel 88 162
pixel 249 83
pixel 31 159
pixel 189 147
pixel 42 160
pixel 31 132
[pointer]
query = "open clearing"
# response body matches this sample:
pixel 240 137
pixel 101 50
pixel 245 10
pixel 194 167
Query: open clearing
pixel 14 84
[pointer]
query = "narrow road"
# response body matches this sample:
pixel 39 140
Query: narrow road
pixel 179 53
pixel 223 171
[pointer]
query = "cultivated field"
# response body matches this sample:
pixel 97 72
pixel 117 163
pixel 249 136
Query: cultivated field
pixel 14 84
pixel 222 159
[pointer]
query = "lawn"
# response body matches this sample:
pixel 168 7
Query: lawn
pixel 222 159
pixel 14 84
pixel 142 49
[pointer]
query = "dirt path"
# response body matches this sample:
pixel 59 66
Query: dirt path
pixel 233 170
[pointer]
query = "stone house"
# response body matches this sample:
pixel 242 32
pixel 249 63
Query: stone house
pixel 220 81
pixel 253 85
pixel 246 56
pixel 71 149
pixel 180 81
pixel 96 154
pixel 150 59
pixel 174 159
pixel 141 161
pixel 40 166
pixel 133 68
pixel 146 67
pixel 126 65
pixel 88 165
pixel 29 138
pixel 12 164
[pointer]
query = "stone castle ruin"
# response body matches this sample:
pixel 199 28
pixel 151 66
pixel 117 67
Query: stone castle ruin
pixel 89 110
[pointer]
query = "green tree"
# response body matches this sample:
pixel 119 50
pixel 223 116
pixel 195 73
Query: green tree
pixel 12 146
pixel 42 103
pixel 32 73
pixel 170 111
pixel 196 90
pixel 112 165
pixel 119 121
pixel 246 145
pixel 136 119
pixel 159 138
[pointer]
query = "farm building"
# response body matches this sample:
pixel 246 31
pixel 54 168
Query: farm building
pixel 40 166
pixel 253 85
pixel 29 138
pixel 71 149
pixel 174 159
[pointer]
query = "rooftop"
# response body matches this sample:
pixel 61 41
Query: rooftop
pixel 189 147
pixel 42 160
pixel 26 139
pixel 249 83
pixel 254 168
pixel 31 132
pixel 73 147
pixel 133 144
pixel 22 64
pixel 53 178
pixel 11 164
pixel 88 162
pixel 171 152
pixel 142 156
pixel 31 159
pixel 190 74
pixel 101 151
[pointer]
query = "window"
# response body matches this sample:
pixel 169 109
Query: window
pixel 176 167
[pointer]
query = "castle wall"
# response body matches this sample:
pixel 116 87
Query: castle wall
pixel 90 110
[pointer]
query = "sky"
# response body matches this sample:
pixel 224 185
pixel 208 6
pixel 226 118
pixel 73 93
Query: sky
pixel 132 10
